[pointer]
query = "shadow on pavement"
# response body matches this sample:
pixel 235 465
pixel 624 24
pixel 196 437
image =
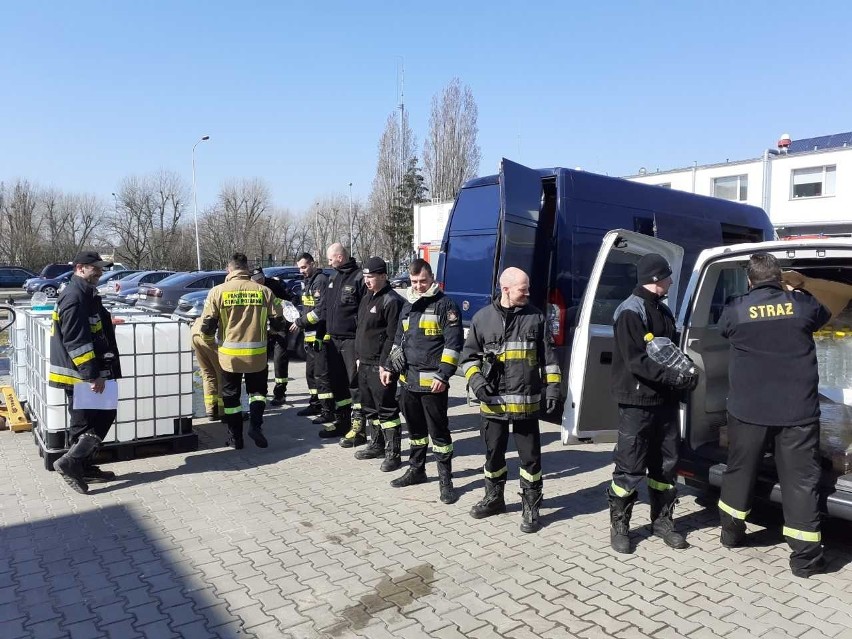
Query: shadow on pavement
pixel 110 569
pixel 288 437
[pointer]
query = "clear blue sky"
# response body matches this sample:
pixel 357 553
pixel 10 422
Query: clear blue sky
pixel 298 96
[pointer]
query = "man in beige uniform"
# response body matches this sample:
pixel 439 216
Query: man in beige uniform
pixel 242 310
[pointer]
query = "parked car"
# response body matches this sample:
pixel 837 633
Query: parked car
pixel 126 290
pixel 403 280
pixel 163 297
pixel 48 286
pixel 14 276
pixel 105 283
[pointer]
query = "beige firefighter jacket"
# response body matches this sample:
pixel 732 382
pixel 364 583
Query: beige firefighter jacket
pixel 241 311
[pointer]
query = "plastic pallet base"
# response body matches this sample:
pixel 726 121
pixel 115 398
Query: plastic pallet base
pixel 139 449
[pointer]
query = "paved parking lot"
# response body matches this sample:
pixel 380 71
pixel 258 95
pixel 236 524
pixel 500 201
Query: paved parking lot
pixel 301 540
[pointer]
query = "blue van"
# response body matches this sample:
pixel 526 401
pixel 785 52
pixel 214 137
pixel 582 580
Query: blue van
pixel 551 222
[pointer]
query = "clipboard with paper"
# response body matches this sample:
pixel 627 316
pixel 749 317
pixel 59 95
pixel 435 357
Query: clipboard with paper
pixel 87 399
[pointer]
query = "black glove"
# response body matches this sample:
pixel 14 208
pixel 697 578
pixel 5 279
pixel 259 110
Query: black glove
pixel 671 378
pixel 687 381
pixel 551 403
pixel 484 395
pixel 397 362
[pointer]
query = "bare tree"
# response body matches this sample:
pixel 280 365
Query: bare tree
pixel 232 223
pixel 451 154
pixel 21 226
pixel 168 199
pixel 131 222
pixel 396 150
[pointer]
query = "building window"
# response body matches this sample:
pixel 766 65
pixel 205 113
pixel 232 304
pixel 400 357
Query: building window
pixel 733 188
pixel 818 181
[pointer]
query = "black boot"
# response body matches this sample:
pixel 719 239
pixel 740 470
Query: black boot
pixel 620 510
pixel 493 503
pixel 213 413
pixel 256 424
pixel 339 426
pixel 355 435
pixel 807 558
pixel 412 477
pixel 70 465
pixel 94 475
pixel 279 391
pixel 733 530
pixel 235 431
pixel 376 448
pixel 531 499
pixel 313 408
pixel 392 461
pixel 327 413
pixel 662 517
pixel 445 480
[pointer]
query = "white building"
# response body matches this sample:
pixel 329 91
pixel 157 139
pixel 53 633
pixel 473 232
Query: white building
pixel 804 185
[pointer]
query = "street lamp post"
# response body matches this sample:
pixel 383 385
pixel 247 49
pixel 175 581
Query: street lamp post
pixel 351 231
pixel 195 201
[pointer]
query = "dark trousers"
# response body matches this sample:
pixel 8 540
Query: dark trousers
pixel 495 436
pixel 316 373
pixel 798 462
pixel 280 357
pixel 256 387
pixel 343 372
pixel 96 422
pixel 647 440
pixel 378 402
pixel 426 416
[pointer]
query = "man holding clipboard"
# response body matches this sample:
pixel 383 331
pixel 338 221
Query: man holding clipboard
pixel 83 354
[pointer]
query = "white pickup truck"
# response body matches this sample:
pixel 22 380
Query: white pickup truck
pixel 590 411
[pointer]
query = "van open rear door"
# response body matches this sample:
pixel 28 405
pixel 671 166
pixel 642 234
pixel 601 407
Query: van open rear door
pixel 521 240
pixel 590 409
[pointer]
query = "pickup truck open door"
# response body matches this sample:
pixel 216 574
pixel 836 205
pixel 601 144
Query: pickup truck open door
pixel 590 409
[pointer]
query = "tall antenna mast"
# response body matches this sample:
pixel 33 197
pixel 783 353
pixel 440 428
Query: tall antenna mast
pixel 400 78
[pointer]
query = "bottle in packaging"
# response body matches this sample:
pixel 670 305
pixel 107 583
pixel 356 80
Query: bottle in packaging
pixel 663 351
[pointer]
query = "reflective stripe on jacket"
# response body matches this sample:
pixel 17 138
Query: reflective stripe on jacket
pixel 524 361
pixel 240 309
pixel 81 334
pixel 430 333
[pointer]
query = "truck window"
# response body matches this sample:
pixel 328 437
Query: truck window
pixel 476 209
pixel 616 284
pixel 731 282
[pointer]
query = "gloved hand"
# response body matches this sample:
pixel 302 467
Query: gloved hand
pixel 484 395
pixel 687 382
pixel 550 405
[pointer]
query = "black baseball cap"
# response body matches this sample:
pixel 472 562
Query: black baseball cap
pixel 257 272
pixel 375 265
pixel 91 257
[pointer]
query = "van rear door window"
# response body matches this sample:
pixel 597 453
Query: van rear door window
pixel 477 209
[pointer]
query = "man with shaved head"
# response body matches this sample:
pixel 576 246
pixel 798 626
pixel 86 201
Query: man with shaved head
pixel 339 309
pixel 511 367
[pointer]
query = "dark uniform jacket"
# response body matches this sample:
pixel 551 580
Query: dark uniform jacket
pixel 343 296
pixel 82 333
pixel 773 371
pixel 378 318
pixel 312 295
pixel 430 334
pixel 636 378
pixel 521 345
pixel 278 288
